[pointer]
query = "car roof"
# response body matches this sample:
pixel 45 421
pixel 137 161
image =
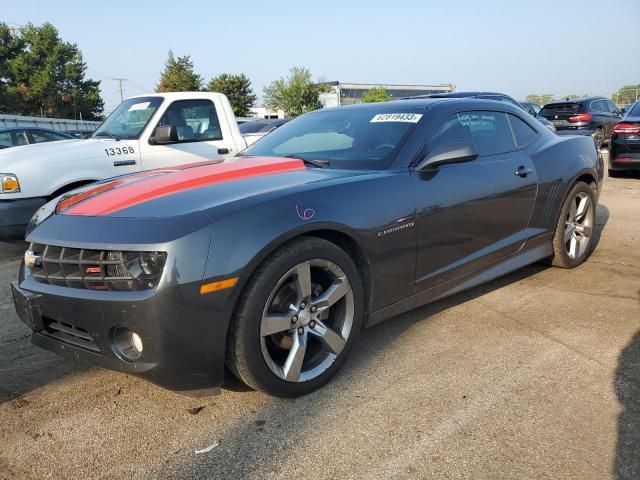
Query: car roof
pixel 575 100
pixel 417 102
pixel 464 94
pixel 425 103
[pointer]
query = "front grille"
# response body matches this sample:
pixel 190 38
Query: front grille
pixel 89 269
pixel 69 333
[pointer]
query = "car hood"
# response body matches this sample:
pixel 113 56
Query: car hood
pixel 51 153
pixel 202 187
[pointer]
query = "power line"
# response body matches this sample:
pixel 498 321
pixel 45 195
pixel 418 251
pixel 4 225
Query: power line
pixel 121 87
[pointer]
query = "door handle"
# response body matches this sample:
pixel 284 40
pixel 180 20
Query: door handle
pixel 523 171
pixel 223 151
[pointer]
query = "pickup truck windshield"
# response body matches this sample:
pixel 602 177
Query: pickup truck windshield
pixel 358 138
pixel 129 119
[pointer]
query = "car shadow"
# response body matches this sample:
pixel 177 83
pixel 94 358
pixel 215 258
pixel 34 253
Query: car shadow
pixel 626 384
pixel 25 367
pixel 261 431
pixel 602 217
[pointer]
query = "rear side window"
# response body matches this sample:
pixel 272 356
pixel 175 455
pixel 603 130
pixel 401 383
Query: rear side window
pixel 611 106
pixel 488 131
pixel 635 109
pixel 600 106
pixel 522 131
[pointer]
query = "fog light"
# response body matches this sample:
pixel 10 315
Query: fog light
pixel 126 344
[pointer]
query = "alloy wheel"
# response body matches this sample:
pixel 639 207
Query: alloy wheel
pixel 579 226
pixel 307 320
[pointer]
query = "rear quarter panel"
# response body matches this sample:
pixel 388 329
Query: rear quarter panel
pixel 560 162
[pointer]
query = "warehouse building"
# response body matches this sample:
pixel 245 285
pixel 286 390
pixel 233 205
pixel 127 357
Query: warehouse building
pixel 350 93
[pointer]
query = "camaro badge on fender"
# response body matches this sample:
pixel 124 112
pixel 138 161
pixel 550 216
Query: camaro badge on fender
pixel 395 229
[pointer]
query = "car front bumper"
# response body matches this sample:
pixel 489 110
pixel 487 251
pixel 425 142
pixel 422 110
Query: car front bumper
pixel 15 215
pixel 179 337
pixel 183 332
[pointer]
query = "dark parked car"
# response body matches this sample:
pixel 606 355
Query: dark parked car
pixel 624 154
pixel 262 125
pixel 500 97
pixel 254 130
pixel 79 133
pixel 594 116
pixel 531 108
pixel 272 262
pixel 14 137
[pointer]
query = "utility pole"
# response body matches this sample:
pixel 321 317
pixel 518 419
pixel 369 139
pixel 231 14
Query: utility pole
pixel 121 86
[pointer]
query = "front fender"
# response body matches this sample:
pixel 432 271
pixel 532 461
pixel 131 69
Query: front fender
pixel 359 210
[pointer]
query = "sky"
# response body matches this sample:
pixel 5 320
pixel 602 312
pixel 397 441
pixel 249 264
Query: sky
pixel 511 46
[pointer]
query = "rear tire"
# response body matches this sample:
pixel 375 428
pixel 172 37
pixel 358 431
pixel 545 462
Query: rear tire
pixel 298 319
pixel 573 238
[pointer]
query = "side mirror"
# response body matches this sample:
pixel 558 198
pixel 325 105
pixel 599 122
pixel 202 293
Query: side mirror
pixel 164 135
pixel 448 153
pixel 622 110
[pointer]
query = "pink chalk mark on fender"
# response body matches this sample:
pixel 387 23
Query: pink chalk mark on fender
pixel 306 214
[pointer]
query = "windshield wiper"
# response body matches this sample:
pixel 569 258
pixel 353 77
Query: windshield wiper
pixel 104 133
pixel 312 162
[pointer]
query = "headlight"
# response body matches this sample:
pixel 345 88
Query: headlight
pixel 95 269
pixel 10 183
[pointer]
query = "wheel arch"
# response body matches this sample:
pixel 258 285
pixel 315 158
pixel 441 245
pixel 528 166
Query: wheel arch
pixel 587 178
pixel 337 234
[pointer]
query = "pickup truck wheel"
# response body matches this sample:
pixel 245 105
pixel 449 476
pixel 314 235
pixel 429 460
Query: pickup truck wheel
pixel 573 239
pixel 298 319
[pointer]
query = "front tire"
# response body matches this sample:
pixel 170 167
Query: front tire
pixel 573 239
pixel 297 320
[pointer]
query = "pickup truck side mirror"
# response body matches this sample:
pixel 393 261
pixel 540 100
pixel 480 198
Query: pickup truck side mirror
pixel 448 153
pixel 164 135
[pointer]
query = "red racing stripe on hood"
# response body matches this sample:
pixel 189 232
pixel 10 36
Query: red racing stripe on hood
pixel 161 183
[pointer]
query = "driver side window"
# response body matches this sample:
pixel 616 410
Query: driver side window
pixel 195 120
pixel 488 131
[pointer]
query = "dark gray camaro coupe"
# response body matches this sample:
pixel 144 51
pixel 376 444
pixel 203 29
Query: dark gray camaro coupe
pixel 271 263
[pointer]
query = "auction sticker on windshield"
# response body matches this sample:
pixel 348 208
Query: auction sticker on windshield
pixel 397 117
pixel 139 106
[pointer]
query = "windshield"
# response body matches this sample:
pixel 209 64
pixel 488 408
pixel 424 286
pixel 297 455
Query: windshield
pixel 364 138
pixel 129 119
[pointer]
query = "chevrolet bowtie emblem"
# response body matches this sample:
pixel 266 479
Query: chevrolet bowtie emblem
pixel 31 259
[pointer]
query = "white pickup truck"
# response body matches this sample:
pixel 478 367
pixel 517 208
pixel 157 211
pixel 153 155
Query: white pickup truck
pixel 142 133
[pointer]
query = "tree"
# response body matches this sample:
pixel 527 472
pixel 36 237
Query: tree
pixel 375 94
pixel 627 94
pixel 539 99
pixel 42 74
pixel 10 46
pixel 295 94
pixel 238 90
pixel 179 76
